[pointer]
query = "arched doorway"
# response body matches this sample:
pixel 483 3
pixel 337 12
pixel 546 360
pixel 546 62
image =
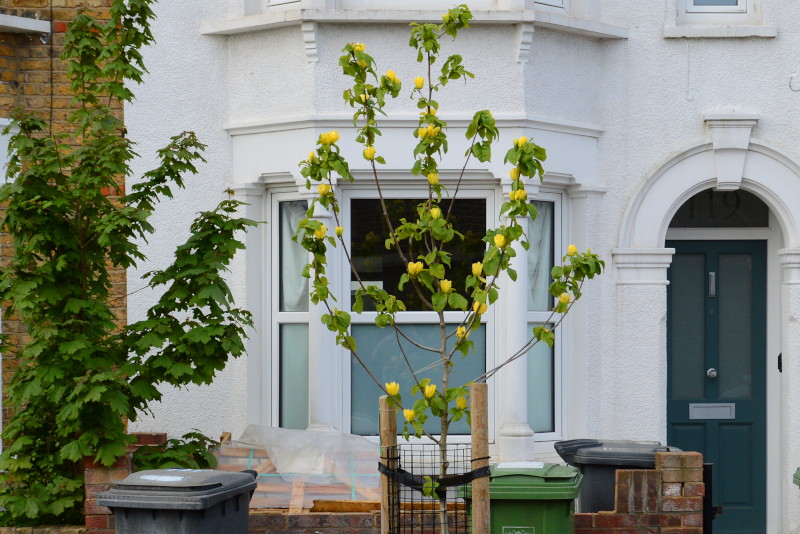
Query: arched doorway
pixel 717 347
pixel 641 263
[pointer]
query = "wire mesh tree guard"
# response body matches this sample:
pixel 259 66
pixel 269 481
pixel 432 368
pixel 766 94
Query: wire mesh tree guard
pixel 406 469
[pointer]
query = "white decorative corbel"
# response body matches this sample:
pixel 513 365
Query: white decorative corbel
pixel 730 135
pixel 524 41
pixel 309 30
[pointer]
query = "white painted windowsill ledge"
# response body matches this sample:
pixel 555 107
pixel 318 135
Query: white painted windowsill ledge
pixel 696 31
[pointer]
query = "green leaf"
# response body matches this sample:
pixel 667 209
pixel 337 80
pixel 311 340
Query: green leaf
pixel 439 301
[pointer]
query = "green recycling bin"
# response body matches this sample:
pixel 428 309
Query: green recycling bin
pixel 532 498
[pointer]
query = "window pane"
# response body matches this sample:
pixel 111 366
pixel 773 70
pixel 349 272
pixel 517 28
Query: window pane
pixel 379 266
pixel 716 2
pixel 293 286
pixel 541 387
pixel 378 349
pixel 540 256
pixel 294 376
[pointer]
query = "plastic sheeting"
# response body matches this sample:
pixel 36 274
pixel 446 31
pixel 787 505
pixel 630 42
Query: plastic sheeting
pixel 297 467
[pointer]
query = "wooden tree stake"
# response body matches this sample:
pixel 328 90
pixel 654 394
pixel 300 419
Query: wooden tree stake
pixel 479 406
pixel 388 428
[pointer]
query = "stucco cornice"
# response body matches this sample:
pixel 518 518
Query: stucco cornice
pixel 343 121
pixel 273 19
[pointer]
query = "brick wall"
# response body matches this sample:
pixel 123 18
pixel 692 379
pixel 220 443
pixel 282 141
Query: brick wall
pixel 97 479
pixel 266 521
pixel 33 78
pixel 667 500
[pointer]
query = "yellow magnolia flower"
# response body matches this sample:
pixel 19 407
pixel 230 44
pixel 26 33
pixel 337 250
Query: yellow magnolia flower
pixel 461 333
pixel 572 250
pixel 322 232
pixel 369 153
pixel 520 141
pixel 519 194
pixel 312 157
pixel 414 268
pixel 514 173
pixel 479 307
pixel 339 231
pixel 446 17
pixel 392 388
pixel 329 138
pixel 363 97
pixel 461 403
pixel 421 132
pixel 362 63
pixel 409 415
pixel 477 268
pixel 564 298
pixel 430 391
pixel 436 213
pixel 446 286
pixel 358 47
pixel 433 178
pixel 392 76
pixel 323 189
pixel 433 131
pixel 419 82
pixel 499 240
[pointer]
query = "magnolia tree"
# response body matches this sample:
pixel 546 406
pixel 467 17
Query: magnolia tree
pixel 425 243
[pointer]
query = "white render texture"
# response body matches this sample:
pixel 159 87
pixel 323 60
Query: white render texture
pixel 616 115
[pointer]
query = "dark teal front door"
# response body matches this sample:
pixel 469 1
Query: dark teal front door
pixel 716 344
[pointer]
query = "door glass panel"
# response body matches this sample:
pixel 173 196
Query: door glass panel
pixel 735 326
pixel 378 349
pixel 687 326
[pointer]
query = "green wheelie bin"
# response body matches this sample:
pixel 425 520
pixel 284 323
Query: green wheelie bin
pixel 532 498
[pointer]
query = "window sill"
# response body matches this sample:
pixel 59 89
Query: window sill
pixel 13 24
pixel 719 32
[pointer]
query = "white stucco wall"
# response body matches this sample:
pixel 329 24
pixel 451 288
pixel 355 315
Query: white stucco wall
pixel 646 93
pixel 186 89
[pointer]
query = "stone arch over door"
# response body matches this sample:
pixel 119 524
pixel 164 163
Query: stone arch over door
pixel 731 160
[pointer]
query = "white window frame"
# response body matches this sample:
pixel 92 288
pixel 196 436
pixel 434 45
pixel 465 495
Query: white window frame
pixel 484 191
pixel 274 318
pixel 746 12
pixel 540 316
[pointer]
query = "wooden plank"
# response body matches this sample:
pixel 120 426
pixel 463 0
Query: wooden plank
pixel 296 500
pixel 345 506
pixel 479 406
pixel 388 428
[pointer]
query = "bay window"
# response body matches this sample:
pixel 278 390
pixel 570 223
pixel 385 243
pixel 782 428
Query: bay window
pixel 355 393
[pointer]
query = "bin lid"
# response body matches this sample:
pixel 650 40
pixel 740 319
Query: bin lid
pixel 176 489
pixel 797 477
pixel 534 481
pixel 611 452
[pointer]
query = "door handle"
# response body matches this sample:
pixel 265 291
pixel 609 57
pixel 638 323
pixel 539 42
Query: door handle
pixel 712 373
pixel 712 284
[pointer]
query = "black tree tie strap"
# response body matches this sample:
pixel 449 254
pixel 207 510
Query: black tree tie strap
pixel 418 481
